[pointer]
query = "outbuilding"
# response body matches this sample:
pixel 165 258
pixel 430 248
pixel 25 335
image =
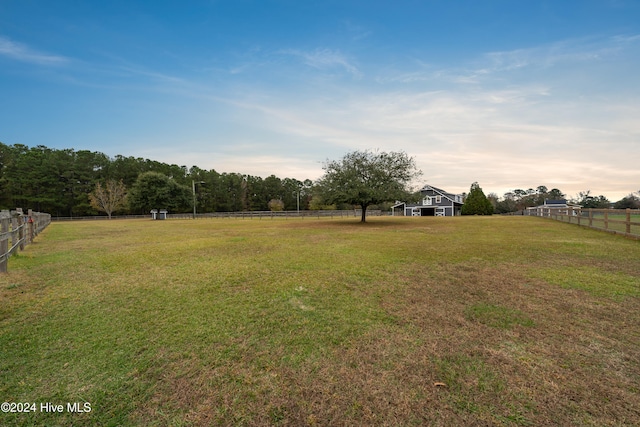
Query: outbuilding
pixel 435 202
pixel 555 207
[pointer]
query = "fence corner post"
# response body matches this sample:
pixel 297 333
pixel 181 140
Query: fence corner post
pixel 628 221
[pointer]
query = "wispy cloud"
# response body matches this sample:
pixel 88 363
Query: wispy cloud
pixel 357 32
pixel 564 53
pixel 22 52
pixel 567 51
pixel 626 38
pixel 325 59
pixel 152 75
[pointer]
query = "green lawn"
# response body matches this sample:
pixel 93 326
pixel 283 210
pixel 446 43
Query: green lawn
pixel 400 321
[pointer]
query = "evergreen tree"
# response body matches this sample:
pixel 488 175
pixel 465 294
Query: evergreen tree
pixel 586 200
pixel 154 190
pixel 476 202
pixel 631 201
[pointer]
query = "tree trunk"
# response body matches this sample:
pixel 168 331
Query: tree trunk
pixel 364 213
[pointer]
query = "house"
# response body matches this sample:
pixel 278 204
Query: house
pixel 555 207
pixel 435 202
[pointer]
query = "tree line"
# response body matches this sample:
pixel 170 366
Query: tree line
pixel 60 182
pixel 519 199
pixel 67 183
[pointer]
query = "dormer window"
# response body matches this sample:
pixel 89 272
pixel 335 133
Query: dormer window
pixel 427 201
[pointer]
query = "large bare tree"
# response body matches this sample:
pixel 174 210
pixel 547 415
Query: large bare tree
pixel 110 198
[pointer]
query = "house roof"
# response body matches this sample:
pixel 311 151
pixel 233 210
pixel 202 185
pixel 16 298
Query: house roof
pixel 439 190
pixel 561 203
pixel 446 194
pixel 555 202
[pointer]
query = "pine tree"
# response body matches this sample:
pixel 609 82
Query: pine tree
pixel 476 202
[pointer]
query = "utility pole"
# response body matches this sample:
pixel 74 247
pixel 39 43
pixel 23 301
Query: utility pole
pixel 193 189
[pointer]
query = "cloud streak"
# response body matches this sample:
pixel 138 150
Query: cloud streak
pixel 569 51
pixel 324 59
pixel 21 52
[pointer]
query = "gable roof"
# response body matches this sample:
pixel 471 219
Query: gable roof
pixel 453 197
pixel 431 187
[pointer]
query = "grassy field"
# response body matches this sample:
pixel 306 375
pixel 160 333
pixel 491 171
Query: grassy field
pixel 400 321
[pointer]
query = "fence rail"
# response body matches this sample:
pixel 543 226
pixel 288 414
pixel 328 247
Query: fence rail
pixel 18 230
pixel 356 213
pixel 625 222
pixel 97 217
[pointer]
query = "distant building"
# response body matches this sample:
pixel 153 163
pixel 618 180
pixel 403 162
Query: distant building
pixel 435 202
pixel 555 207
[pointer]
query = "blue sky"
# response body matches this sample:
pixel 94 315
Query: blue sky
pixel 512 94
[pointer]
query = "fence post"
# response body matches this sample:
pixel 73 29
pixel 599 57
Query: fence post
pixel 14 229
pixel 590 217
pixel 21 232
pixel 606 220
pixel 4 243
pixel 628 224
pixel 31 229
pixel 30 226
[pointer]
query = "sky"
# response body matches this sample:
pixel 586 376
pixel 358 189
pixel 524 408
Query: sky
pixel 507 93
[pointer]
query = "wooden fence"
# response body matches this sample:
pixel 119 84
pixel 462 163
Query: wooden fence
pixel 351 213
pixel 625 222
pixel 18 230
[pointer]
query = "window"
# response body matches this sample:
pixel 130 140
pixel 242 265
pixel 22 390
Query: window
pixel 438 199
pixel 427 201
